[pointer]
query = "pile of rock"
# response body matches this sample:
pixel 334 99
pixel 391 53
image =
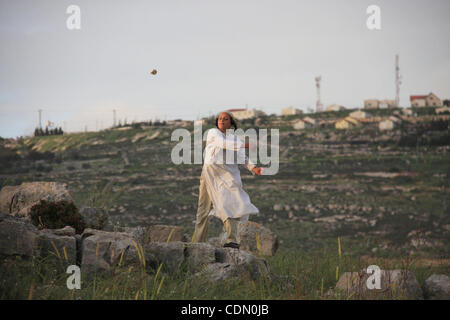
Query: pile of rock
pixel 99 251
pixel 393 284
pixel 253 237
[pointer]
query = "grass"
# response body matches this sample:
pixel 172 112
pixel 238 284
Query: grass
pixel 300 275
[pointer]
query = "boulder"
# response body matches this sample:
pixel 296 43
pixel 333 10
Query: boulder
pixel 95 218
pixel 198 255
pixel 170 254
pixel 102 250
pixel 23 197
pixel 6 195
pixel 231 264
pixel 60 243
pixel 248 235
pixel 394 284
pixel 162 233
pixel 248 232
pixel 66 231
pixel 17 237
pixel 437 287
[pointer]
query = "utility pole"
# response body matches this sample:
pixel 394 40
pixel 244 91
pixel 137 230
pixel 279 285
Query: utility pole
pixel 318 103
pixel 114 117
pixel 40 117
pixel 398 82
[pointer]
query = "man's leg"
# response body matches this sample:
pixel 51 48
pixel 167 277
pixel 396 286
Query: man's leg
pixel 204 206
pixel 231 228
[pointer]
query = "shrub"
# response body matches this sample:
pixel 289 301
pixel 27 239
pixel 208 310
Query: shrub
pixel 55 215
pixel 40 167
pixel 85 165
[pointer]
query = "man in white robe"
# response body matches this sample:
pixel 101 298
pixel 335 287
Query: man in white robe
pixel 221 185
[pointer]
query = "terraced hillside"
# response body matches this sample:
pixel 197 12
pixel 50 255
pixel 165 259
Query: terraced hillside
pixel 383 193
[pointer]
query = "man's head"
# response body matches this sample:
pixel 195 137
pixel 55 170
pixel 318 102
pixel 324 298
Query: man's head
pixel 225 121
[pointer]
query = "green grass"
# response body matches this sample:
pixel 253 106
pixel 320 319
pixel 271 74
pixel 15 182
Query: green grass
pixel 300 274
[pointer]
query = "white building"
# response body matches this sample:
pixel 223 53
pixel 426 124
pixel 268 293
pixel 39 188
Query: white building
pixel 241 114
pixel 334 107
pixel 442 110
pixel 290 111
pixel 358 114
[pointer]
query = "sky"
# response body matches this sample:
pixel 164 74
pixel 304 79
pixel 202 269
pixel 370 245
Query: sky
pixel 211 55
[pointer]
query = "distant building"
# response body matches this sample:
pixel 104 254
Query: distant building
pixel 385 104
pixel 304 123
pixel 290 111
pixel 300 124
pixel 334 107
pixel 379 104
pixel 358 114
pixel 430 100
pixel 442 110
pixel 371 104
pixel 347 123
pixel 241 114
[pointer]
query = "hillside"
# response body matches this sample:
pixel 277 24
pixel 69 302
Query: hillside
pixel 383 193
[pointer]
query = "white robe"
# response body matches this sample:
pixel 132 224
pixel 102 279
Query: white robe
pixel 223 178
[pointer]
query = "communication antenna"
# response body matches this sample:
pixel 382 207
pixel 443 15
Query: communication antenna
pixel 318 103
pixel 40 118
pixel 398 82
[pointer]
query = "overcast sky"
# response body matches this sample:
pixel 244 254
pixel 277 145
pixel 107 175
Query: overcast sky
pixel 210 55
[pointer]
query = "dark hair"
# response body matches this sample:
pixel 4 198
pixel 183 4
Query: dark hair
pixel 233 122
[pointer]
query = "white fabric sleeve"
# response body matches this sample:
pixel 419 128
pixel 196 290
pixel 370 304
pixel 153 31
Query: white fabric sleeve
pixel 249 164
pixel 228 142
pixel 246 160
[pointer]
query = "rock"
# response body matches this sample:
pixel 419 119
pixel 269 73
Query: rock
pixel 247 235
pixel 6 195
pixel 20 238
pixel 437 287
pixel 137 233
pixel 58 244
pixel 215 242
pixel 277 207
pixel 95 218
pixel 232 263
pixel 161 233
pixel 197 255
pixel 17 237
pixel 102 250
pixel 394 284
pixel 66 231
pixel 170 254
pixel 30 193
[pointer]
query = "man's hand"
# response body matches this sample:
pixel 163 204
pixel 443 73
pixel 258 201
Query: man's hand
pixel 257 170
